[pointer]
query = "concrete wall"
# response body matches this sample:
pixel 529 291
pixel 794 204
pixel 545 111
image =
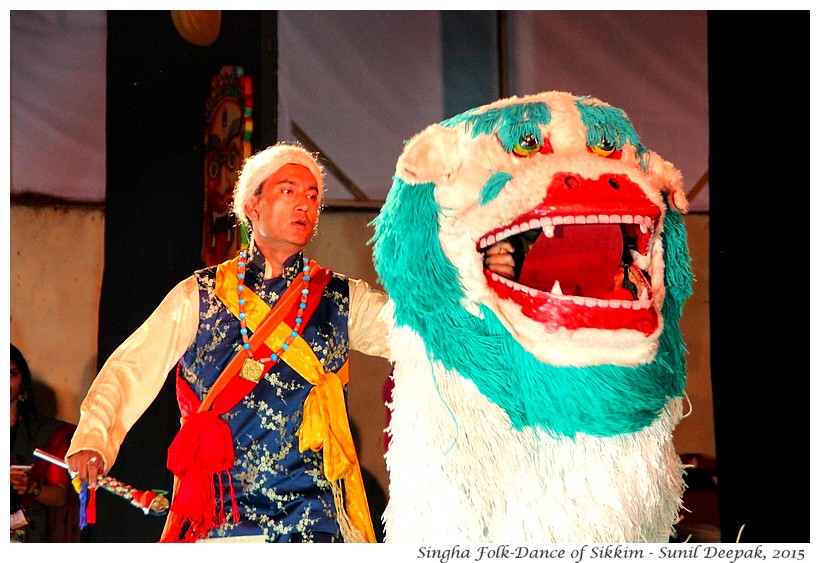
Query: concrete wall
pixel 56 265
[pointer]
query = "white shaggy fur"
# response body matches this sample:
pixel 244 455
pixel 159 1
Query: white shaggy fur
pixel 459 473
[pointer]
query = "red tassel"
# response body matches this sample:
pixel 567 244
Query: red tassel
pixel 202 449
pixel 234 507
pixel 91 511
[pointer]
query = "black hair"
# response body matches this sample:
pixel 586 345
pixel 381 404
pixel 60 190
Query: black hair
pixel 26 408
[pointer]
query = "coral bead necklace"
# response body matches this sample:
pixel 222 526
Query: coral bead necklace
pixel 254 366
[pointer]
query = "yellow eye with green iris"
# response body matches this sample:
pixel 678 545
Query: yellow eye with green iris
pixel 527 145
pixel 604 148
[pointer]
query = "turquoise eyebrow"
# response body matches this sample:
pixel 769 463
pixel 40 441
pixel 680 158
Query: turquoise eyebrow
pixel 610 123
pixel 493 187
pixel 511 123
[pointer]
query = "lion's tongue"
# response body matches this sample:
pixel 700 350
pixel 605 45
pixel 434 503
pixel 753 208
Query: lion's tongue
pixel 585 259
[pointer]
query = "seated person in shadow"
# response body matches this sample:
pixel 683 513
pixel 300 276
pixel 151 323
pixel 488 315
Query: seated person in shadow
pixel 44 505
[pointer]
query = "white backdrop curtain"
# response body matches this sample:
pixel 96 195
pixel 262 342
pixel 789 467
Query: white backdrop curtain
pixel 360 83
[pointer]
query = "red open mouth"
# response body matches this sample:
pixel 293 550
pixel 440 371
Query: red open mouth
pixel 586 251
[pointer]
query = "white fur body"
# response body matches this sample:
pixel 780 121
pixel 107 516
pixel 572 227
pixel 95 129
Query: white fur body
pixel 459 470
pixel 460 473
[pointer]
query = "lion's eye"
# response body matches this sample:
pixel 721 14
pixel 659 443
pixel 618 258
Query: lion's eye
pixel 604 148
pixel 527 145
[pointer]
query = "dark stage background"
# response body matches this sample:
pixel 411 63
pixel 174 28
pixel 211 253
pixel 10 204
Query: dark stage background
pixel 760 392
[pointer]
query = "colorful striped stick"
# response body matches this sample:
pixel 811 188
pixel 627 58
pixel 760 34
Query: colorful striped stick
pixel 152 502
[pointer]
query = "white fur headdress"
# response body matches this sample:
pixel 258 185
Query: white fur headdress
pixel 265 163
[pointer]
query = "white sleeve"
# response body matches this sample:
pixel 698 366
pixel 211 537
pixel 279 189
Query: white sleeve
pixel 134 374
pixel 369 320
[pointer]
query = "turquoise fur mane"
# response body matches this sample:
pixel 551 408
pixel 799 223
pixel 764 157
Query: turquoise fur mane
pixel 602 400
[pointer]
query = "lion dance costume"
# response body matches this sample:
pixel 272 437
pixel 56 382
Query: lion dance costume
pixel 539 408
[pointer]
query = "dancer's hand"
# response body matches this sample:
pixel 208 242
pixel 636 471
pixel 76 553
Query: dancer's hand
pixel 499 259
pixel 87 466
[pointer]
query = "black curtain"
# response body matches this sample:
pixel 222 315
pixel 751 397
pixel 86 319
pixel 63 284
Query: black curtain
pixel 471 64
pixel 759 154
pixel 156 90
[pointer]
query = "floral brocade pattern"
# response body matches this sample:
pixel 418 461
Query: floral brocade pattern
pixel 280 491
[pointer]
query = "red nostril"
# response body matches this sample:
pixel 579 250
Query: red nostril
pixel 571 181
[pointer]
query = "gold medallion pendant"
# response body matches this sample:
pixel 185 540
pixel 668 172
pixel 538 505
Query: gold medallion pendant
pixel 252 370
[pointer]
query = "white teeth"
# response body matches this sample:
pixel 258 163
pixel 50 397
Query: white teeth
pixel 547 224
pixel 590 302
pixel 640 260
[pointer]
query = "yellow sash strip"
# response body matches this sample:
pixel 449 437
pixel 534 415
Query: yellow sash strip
pixel 324 422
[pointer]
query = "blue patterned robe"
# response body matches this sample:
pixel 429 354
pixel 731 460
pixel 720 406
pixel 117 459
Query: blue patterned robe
pixel 280 491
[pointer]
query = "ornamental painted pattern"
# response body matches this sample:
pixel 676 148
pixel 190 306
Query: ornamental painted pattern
pixel 280 491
